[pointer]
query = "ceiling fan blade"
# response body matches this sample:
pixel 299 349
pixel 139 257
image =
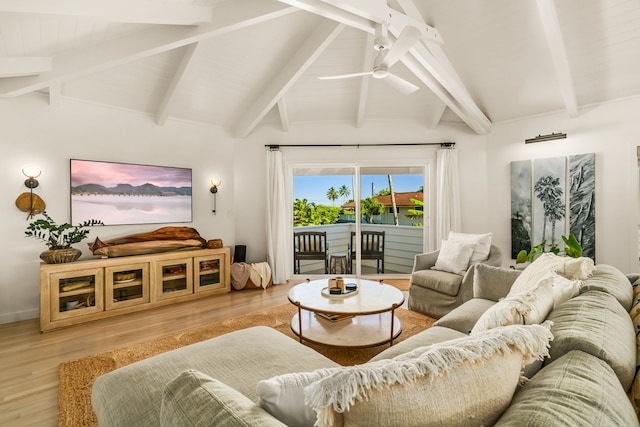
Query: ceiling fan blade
pixel 401 84
pixel 346 76
pixel 407 38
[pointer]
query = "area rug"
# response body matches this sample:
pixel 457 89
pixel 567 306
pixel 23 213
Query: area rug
pixel 76 377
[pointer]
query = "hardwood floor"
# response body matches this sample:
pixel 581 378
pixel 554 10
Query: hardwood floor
pixel 29 359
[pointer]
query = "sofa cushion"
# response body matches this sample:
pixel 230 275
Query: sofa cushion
pixel 433 335
pixel 481 244
pixel 463 318
pixel 595 323
pixel 609 279
pixel 571 268
pixel 464 381
pixel 491 282
pixel 283 396
pixel 131 395
pixel 454 257
pixel 576 390
pixel 439 281
pixel 195 399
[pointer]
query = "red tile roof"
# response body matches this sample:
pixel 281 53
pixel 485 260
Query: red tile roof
pixel 402 199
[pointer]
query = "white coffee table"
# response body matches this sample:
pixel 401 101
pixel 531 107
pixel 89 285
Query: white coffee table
pixel 372 309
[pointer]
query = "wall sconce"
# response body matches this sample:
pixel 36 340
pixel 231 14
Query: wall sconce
pixel 29 202
pixel 549 137
pixel 215 183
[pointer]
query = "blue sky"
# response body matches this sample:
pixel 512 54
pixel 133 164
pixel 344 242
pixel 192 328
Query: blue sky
pixel 315 188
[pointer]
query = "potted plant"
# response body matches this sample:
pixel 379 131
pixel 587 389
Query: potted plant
pixel 59 238
pixel 572 249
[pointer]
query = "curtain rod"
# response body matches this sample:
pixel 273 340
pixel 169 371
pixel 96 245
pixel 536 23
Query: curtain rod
pixel 441 144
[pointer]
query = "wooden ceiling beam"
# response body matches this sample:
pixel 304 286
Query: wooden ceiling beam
pixel 126 11
pixel 17 66
pixel 555 42
pixel 230 16
pixel 364 85
pixel 167 100
pixel 288 74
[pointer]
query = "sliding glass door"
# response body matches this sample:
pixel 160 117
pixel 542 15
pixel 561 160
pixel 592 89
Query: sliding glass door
pixel 368 220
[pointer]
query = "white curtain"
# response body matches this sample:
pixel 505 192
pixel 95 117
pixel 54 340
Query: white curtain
pixel 278 226
pixel 447 194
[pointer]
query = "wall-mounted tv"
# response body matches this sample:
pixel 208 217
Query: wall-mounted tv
pixel 127 193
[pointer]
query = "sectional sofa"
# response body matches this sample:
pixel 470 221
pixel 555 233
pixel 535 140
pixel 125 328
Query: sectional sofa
pixel 572 363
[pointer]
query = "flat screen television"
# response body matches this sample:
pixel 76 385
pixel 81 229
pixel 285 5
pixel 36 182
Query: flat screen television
pixel 128 193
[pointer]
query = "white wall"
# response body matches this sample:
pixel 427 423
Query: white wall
pixel 33 133
pixel 251 186
pixel 47 137
pixel 612 132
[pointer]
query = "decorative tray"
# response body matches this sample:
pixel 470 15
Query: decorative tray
pixel 325 293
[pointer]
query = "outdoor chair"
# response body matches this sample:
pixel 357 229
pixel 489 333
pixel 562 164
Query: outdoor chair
pixel 371 248
pixel 309 246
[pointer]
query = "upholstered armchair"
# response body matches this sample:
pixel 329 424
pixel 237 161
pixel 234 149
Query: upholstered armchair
pixel 434 292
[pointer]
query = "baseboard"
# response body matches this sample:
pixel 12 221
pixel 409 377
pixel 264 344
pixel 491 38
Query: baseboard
pixel 19 315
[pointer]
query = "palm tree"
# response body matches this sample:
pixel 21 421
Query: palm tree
pixel 301 211
pixel 393 200
pixel 548 190
pixel 332 195
pixel 344 192
pixel 555 212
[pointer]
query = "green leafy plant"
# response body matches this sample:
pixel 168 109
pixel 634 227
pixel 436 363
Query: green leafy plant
pixel 572 249
pixel 524 256
pixel 59 236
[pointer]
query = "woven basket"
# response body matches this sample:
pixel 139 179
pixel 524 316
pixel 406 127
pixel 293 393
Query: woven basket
pixel 60 256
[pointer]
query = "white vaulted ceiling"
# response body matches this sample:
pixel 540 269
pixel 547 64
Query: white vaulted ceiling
pixel 240 64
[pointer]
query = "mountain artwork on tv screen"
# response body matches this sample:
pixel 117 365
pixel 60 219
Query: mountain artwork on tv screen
pixel 126 193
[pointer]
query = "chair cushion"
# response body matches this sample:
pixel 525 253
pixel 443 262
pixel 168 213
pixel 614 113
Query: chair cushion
pixel 491 282
pixel 454 257
pixel 463 318
pixel 439 281
pixel 195 399
pixel 576 390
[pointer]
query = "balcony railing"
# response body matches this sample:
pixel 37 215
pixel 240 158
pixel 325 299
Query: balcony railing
pixel 401 245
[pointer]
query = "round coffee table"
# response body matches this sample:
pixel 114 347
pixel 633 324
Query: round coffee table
pixel 365 318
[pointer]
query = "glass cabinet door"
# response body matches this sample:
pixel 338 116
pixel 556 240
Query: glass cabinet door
pixel 175 278
pixel 76 293
pixel 126 285
pixel 208 273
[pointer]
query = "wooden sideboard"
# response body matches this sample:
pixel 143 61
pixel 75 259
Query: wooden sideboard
pixel 88 290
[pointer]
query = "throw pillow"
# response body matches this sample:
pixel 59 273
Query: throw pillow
pixel 491 282
pixel 529 307
pixel 571 268
pixel 482 242
pixel 283 396
pixel 454 257
pixel 465 381
pixel 195 399
pixel 563 288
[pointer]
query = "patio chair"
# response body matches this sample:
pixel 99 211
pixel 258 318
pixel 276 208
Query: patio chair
pixel 309 246
pixel 371 248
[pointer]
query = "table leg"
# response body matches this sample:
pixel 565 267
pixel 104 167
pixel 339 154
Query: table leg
pixel 393 310
pixel 299 322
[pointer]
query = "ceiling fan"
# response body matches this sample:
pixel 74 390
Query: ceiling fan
pixel 387 56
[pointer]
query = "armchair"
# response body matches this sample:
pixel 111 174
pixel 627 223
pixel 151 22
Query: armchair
pixel 434 292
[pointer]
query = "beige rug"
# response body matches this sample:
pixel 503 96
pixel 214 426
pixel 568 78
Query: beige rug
pixel 76 377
